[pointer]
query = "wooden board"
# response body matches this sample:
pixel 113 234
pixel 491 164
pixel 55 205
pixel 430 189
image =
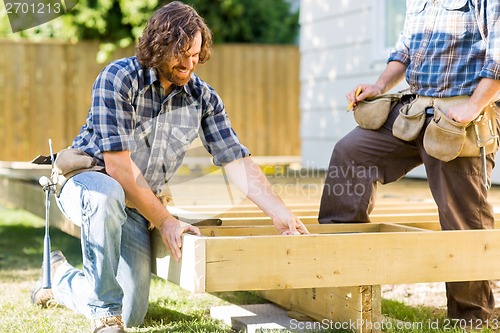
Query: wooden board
pixel 355 307
pixel 334 273
pixel 270 262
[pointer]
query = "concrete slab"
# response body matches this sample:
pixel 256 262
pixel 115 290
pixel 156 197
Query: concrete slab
pixel 257 318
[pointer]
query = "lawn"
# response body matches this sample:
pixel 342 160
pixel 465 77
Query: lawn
pixel 171 309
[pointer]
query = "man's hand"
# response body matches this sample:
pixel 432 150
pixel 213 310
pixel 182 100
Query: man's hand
pixel 289 224
pixel 362 92
pixel 486 92
pixel 171 231
pixel 464 112
pixel 393 73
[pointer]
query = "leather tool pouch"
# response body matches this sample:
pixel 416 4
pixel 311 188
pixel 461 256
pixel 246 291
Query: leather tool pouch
pixel 410 120
pixel 446 139
pixel 70 162
pixel 372 113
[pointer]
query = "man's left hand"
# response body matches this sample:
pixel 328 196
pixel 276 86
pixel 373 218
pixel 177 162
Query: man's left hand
pixel 289 224
pixel 464 113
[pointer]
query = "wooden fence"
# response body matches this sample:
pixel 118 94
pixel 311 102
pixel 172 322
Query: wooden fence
pixel 45 93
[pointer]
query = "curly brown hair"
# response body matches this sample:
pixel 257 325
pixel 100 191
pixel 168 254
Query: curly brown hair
pixel 170 33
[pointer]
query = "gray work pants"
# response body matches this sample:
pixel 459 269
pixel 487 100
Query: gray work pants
pixel 364 158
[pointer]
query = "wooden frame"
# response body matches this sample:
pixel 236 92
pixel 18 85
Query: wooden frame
pixel 334 273
pixel 335 258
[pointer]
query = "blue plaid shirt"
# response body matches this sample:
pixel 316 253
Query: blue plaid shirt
pixel 449 45
pixel 130 111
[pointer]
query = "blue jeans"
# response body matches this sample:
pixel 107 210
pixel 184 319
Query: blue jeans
pixel 116 252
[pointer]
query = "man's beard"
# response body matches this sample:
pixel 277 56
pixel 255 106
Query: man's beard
pixel 169 74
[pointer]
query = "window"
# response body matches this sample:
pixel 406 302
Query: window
pixel 387 23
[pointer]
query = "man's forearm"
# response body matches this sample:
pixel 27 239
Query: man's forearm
pixel 486 92
pixel 249 179
pixel 391 76
pixel 137 191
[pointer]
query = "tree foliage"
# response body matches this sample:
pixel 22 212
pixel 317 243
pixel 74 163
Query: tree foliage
pixel 120 22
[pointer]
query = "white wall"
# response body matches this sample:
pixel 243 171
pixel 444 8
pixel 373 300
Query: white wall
pixel 335 52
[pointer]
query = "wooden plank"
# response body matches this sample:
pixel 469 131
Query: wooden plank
pixel 431 225
pixel 307 211
pixel 189 273
pixel 292 102
pixel 256 125
pixel 20 103
pixel 385 218
pixel 271 116
pixel 262 230
pixel 256 107
pixel 353 259
pixel 357 305
pixel 301 203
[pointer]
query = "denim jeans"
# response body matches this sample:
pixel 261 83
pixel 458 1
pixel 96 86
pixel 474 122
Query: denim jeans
pixel 115 241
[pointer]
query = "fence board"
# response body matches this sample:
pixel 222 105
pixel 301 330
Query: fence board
pixel 45 93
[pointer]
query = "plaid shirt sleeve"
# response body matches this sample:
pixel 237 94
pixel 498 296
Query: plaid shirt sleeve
pixel 401 51
pixel 448 46
pixel 112 111
pixel 218 136
pixel 488 17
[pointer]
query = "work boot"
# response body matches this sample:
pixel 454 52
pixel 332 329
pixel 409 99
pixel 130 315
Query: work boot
pixel 45 297
pixel 107 325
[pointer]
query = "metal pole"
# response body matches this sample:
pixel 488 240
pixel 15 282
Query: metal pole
pixel 46 281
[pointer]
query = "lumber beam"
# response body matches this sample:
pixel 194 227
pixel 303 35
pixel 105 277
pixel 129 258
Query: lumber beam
pixel 359 305
pixel 299 211
pixel 262 230
pixel 269 262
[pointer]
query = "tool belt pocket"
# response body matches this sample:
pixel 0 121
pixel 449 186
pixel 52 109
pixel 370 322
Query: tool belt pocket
pixel 410 120
pixel 483 132
pixel 70 162
pixel 446 139
pixel 372 113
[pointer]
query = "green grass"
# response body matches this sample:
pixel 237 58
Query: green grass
pixel 171 309
pixel 406 319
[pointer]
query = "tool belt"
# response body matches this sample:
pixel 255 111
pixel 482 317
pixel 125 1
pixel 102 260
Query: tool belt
pixel 70 162
pixel 372 113
pixel 444 138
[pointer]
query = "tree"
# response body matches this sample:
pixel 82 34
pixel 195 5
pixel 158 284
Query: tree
pixel 120 22
pixel 250 21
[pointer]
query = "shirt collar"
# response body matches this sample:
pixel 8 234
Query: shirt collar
pixel 150 76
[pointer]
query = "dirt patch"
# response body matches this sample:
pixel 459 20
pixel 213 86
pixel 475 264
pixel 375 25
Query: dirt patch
pixel 425 294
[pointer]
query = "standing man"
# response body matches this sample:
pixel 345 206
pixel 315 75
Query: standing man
pixel 146 110
pixel 449 50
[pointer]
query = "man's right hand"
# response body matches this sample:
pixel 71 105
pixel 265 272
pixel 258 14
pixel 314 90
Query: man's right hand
pixel 393 73
pixel 171 231
pixel 365 91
